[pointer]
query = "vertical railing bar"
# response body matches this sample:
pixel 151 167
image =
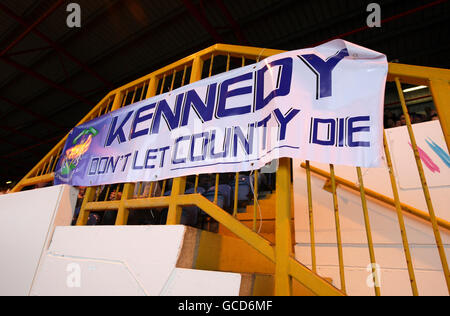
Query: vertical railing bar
pixel 116 194
pixel 143 90
pixel 211 65
pixel 104 110
pixel 426 191
pixel 123 212
pixel 338 229
pixel 216 189
pixel 100 110
pixel 162 84
pixel 58 155
pixel 134 94
pixel 401 220
pixel 141 193
pixel 255 199
pixel 196 183
pixel 107 192
pixel 184 75
pixel 83 215
pixel 98 191
pixel 41 171
pixel 152 187
pixel 368 232
pixel 49 164
pixel 228 62
pixel 236 194
pixel 311 217
pixel 107 102
pixel 125 96
pixel 173 79
pixel 38 172
pixel 163 188
pixel 51 168
pixel 106 107
pixel 139 188
pixel 110 104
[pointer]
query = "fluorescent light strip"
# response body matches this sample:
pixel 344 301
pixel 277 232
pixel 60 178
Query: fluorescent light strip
pixel 415 89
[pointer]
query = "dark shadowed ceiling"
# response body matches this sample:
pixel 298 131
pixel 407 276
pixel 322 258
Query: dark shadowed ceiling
pixel 51 75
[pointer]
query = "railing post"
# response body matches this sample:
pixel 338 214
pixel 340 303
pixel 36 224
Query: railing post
pixel 152 86
pixel 122 212
pixel 179 184
pixel 174 213
pixel 283 239
pixel 117 101
pixel 83 215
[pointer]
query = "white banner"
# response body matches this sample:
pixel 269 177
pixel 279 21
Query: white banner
pixel 321 104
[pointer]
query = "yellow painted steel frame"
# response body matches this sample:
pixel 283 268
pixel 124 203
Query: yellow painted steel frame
pixel 286 266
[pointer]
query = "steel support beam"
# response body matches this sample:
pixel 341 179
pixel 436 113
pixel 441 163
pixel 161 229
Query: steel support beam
pixel 31 27
pixel 29 147
pixel 32 113
pixel 46 80
pixel 234 25
pixel 56 46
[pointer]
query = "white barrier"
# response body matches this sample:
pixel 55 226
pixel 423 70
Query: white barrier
pixel 27 221
pixel 125 260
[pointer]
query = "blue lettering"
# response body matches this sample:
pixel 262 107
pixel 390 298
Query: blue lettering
pixel 112 164
pixel 263 123
pixel 283 121
pixel 176 160
pixel 352 130
pixel 136 153
pixel 100 170
pixel 222 111
pixel 205 109
pixel 205 137
pixel 323 70
pixel 138 119
pixel 163 155
pixel 172 118
pixel 226 144
pixel 126 161
pixel 283 86
pixel 148 157
pixel 91 173
pixel 247 143
pixel 117 133
pixel 331 132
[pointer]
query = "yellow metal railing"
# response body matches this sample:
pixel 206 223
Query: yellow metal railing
pixel 219 58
